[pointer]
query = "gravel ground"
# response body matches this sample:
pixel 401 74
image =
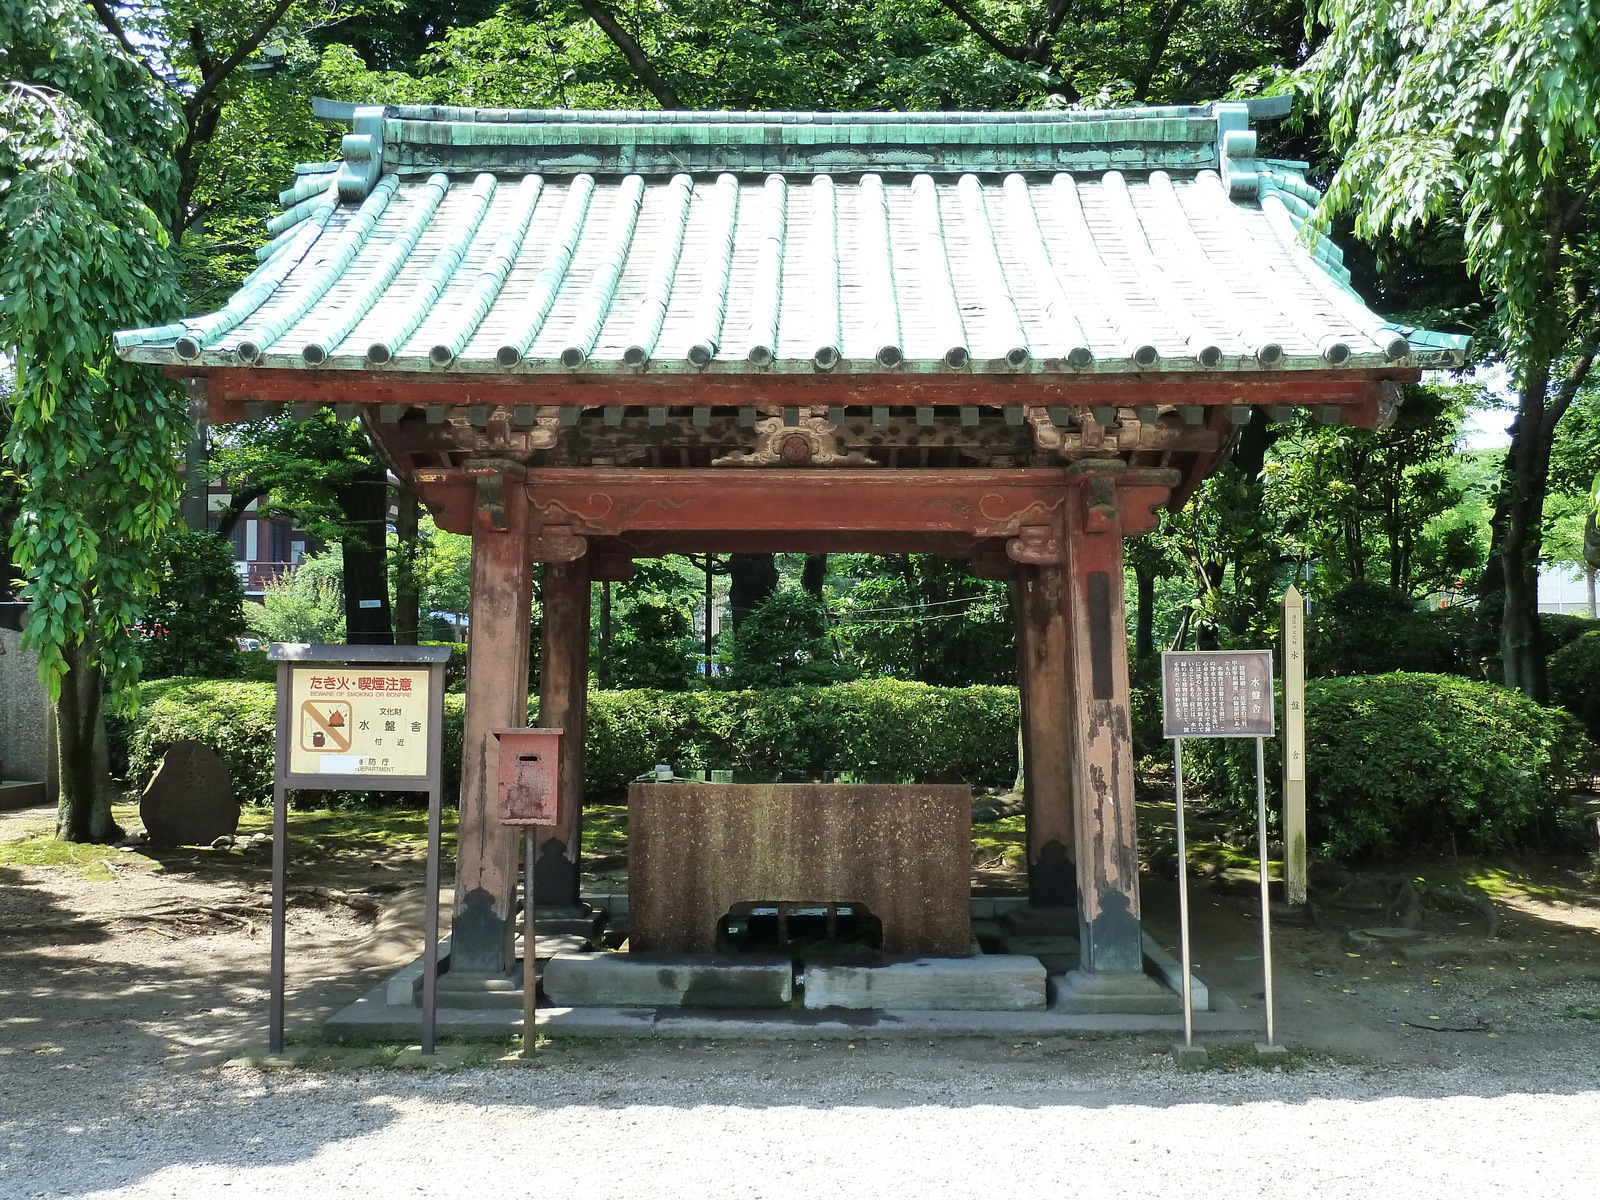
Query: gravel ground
pixel 961 1119
pixel 1478 1075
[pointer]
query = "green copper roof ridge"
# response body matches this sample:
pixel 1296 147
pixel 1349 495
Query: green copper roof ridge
pixel 304 185
pixel 650 313
pixel 1132 330
pixel 440 269
pixel 1345 302
pixel 584 329
pixel 552 271
pixel 254 340
pixel 761 336
pixel 491 276
pixel 1333 349
pixel 825 324
pixel 451 114
pixel 1207 279
pixel 927 226
pixel 202 331
pixel 327 339
pixel 877 269
pixel 1043 271
pixel 711 305
pixel 1203 343
pixel 975 211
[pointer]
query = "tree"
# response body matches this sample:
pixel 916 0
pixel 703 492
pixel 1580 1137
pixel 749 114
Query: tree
pixel 323 471
pixel 924 617
pixel 86 173
pixel 1378 504
pixel 1488 109
pixel 305 606
pixel 192 621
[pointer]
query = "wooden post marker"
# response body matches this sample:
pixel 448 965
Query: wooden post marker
pixel 1294 747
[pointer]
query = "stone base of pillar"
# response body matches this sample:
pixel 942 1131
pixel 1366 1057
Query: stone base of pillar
pixel 1082 992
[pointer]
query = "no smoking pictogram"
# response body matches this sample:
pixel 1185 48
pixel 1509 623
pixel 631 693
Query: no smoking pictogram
pixel 325 726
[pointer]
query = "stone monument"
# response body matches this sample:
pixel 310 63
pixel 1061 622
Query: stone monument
pixel 190 800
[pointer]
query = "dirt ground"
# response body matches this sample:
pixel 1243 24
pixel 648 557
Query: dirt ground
pixel 151 956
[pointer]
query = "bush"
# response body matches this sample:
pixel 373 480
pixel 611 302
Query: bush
pixel 1370 628
pixel 878 729
pixel 1575 680
pixel 193 621
pixel 1413 762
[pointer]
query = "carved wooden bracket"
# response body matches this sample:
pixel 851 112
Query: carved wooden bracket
pixel 1037 545
pixel 811 443
pixel 556 544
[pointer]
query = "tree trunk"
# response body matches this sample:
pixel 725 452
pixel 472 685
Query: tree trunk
pixel 1526 478
pixel 407 595
pixel 604 666
pixel 1144 578
pixel 365 504
pixel 751 579
pixel 814 574
pixel 83 813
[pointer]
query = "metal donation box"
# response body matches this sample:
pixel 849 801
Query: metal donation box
pixel 530 784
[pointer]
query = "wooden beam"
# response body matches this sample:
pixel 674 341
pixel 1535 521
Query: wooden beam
pixel 1043 665
pixel 235 385
pixel 563 704
pixel 1103 802
pixel 497 696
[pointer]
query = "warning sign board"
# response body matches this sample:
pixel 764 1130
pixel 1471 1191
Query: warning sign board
pixel 358 720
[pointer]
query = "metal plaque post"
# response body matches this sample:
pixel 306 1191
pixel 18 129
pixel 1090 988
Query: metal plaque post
pixel 357 718
pixel 1183 896
pixel 1219 694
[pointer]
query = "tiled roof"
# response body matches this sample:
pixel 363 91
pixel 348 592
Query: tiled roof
pixel 460 241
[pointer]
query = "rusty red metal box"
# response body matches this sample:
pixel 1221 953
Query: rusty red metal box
pixel 530 789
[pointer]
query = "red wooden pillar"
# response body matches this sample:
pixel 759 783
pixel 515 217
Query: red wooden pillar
pixel 1107 848
pixel 1047 728
pixel 563 704
pixel 497 696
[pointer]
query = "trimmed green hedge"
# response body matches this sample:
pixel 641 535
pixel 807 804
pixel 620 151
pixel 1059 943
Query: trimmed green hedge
pixel 876 729
pixel 1575 680
pixel 1414 762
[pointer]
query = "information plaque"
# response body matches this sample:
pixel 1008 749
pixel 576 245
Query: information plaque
pixel 1217 693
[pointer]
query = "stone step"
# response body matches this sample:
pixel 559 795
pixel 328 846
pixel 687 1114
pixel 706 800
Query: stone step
pixel 667 981
pixel 985 983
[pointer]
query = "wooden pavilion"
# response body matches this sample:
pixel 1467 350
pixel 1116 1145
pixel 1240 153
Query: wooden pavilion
pixel 588 337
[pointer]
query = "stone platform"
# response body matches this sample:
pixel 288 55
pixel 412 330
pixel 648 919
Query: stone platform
pixel 18 793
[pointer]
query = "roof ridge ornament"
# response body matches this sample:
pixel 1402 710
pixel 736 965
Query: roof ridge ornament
pixel 1236 150
pixel 363 154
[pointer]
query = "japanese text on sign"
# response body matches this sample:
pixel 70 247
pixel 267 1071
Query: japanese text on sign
pixel 1217 693
pixel 358 722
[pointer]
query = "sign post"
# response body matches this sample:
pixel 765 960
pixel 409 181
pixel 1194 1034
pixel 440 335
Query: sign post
pixel 1294 747
pixel 357 718
pixel 1227 694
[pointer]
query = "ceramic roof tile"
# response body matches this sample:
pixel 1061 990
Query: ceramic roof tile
pixel 516 242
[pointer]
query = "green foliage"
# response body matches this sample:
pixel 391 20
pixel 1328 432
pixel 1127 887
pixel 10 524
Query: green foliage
pixel 197 613
pixel 1575 679
pixel 305 605
pixel 1407 763
pixel 650 642
pixel 881 729
pixel 1368 628
pixel 238 720
pixel 784 643
pixel 1484 113
pixel 1378 504
pixel 84 139
pixel 924 617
